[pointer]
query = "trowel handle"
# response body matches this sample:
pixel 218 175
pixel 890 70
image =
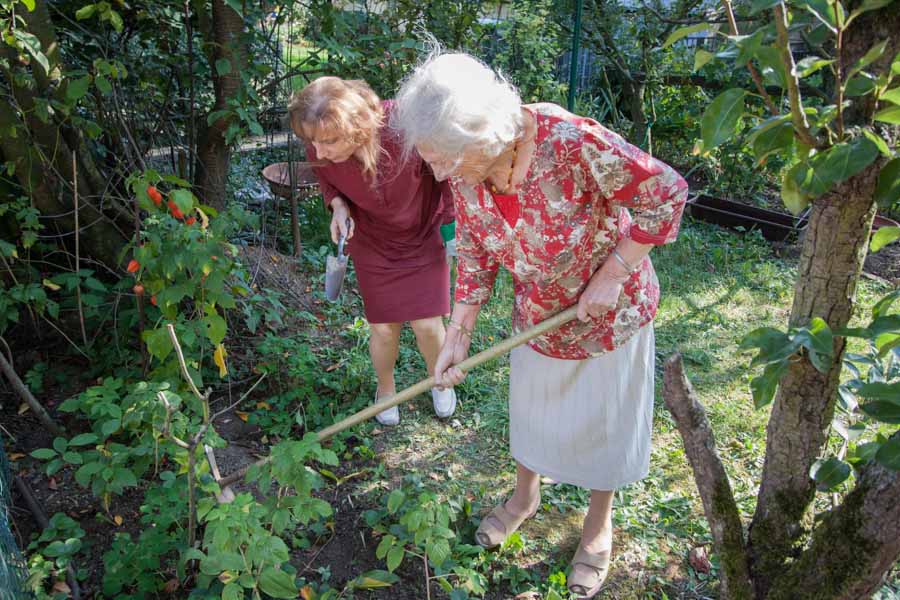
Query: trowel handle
pixel 342 240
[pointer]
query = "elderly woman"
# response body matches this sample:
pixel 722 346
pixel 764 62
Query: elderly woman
pixel 390 209
pixel 571 210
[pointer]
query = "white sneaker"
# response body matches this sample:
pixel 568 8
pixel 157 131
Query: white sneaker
pixel 389 417
pixel 444 402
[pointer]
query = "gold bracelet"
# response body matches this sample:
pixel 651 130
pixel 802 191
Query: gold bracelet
pixel 461 327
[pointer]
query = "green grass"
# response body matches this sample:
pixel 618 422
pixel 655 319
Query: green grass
pixel 716 287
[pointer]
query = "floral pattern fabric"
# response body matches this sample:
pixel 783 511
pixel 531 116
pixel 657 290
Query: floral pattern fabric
pixel 585 190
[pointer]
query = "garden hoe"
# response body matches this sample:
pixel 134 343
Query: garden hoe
pixel 426 384
pixel 335 269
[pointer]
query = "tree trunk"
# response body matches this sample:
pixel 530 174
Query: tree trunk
pixel 634 94
pixel 830 264
pixel 853 546
pixel 225 36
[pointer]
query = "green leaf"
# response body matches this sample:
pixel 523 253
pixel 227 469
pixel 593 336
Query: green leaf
pixel 278 584
pixel 760 5
pixel 829 473
pixel 29 4
pixel 889 454
pixel 889 115
pixel 236 5
pixel 721 117
pixel 83 440
pixel 387 542
pixel 838 163
pixel 73 458
pixel 887 192
pixel 77 88
pixel 883 237
pixel 774 345
pixel 183 199
pixel 892 96
pixel 233 591
pixel 749 45
pixel 824 11
pixel 795 200
pixel 772 66
pixel 773 140
pixel 701 58
pixel 103 84
pixel 881 391
pixel 215 328
pixel 395 557
pixel 60 444
pixel 880 410
pixel 860 85
pixel 33 45
pixel 86 12
pixel 818 341
pixel 43 454
pixel 159 344
pixel 866 6
pixel 868 58
pixel 83 475
pixel 763 387
pixel 811 64
pixel 395 499
pixel 115 19
pixel 374 579
pixel 439 552
pixel 879 143
pixel 223 66
pixel 683 32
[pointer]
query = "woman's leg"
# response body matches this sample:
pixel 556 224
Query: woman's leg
pixel 384 346
pixel 506 518
pixel 527 495
pixel 591 562
pixel 430 335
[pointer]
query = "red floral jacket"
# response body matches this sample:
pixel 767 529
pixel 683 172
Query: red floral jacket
pixel 586 189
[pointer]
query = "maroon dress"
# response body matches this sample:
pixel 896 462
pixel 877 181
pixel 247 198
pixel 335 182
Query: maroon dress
pixel 397 249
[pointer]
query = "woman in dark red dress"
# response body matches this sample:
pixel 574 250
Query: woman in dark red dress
pixel 395 209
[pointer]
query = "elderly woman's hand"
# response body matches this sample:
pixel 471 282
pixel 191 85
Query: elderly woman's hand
pixel 454 351
pixel 603 290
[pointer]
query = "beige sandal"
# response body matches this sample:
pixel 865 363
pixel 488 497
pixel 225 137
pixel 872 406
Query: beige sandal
pixel 587 585
pixel 498 525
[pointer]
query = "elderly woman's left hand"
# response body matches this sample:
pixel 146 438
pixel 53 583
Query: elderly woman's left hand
pixel 602 292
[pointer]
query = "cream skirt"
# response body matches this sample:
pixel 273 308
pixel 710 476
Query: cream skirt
pixel 584 422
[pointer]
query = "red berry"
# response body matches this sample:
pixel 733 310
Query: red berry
pixel 138 289
pixel 190 221
pixel 154 195
pixel 133 266
pixel 153 300
pixel 176 212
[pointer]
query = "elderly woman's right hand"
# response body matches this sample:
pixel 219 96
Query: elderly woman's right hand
pixel 339 220
pixel 454 351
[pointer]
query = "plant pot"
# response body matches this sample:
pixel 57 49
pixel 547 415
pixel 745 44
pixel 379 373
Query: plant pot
pixel 774 226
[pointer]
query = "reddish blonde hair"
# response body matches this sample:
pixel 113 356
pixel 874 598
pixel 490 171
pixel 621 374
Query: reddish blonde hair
pixel 344 107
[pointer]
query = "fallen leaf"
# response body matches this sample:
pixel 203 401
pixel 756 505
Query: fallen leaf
pixel 699 561
pixel 52 483
pixel 118 519
pixel 264 405
pixel 332 367
pixel 16 456
pixel 219 358
pixel 24 408
pixel 62 588
pixel 307 593
pixel 50 285
pixel 171 585
pixel 242 415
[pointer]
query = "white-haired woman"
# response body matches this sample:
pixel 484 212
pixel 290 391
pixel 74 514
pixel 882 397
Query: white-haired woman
pixel 572 211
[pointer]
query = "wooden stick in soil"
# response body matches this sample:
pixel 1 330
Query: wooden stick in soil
pixel 78 252
pixel 28 397
pixel 426 384
pixel 43 522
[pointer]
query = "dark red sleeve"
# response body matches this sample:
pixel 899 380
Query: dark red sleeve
pixel 448 209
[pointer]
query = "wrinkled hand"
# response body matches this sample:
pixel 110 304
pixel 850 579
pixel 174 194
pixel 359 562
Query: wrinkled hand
pixel 602 292
pixel 339 219
pixel 454 351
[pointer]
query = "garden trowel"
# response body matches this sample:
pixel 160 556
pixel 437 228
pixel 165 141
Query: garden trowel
pixel 335 269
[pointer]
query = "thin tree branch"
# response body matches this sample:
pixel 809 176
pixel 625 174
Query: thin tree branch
pixel 798 116
pixel 754 74
pixel 26 395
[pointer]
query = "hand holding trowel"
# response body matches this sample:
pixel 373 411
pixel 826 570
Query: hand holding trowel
pixel 336 268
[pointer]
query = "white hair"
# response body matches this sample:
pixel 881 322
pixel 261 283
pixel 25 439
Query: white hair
pixel 453 101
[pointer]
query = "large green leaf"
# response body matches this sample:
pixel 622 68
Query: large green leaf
pixel 795 200
pixel 773 140
pixel 887 192
pixel 77 88
pixel 866 6
pixel 829 473
pixel 889 115
pixel 880 410
pixel 772 66
pixel 889 454
pixel 881 391
pixel 33 45
pixel 837 164
pixel 721 117
pixel 868 58
pixel 683 32
pixel 811 64
pixel 883 237
pixel 824 11
pixel 760 5
pixel 879 142
pixel 749 45
pixel 374 579
pixel 892 96
pixel 277 583
pixel 701 57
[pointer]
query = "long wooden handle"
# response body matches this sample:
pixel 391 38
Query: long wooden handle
pixel 423 386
